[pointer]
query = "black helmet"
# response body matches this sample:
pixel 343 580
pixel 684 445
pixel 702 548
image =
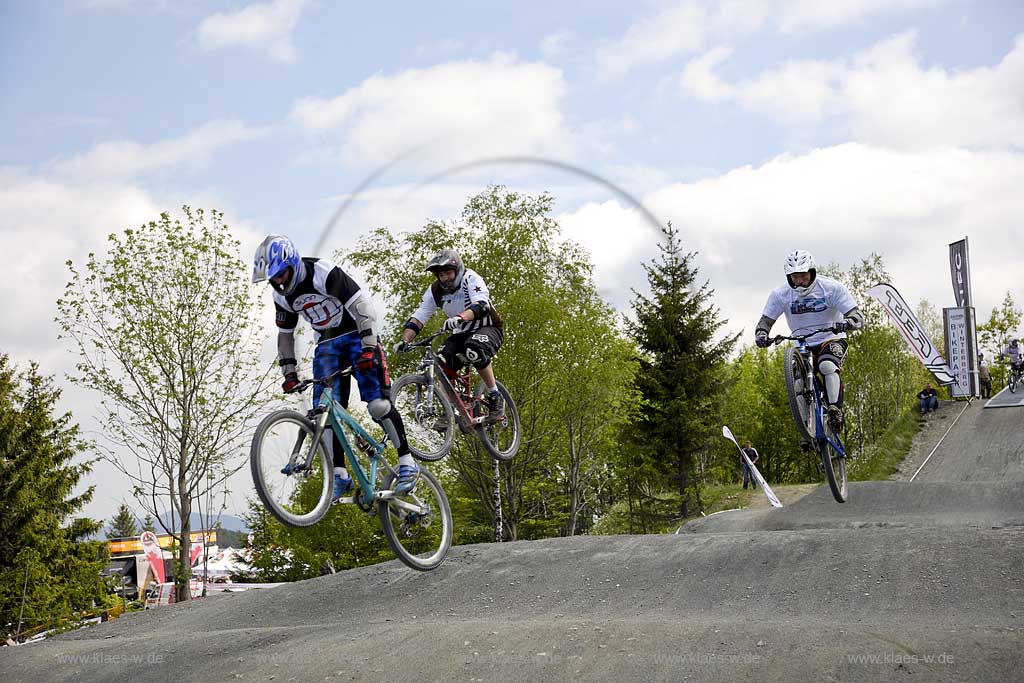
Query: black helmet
pixel 444 259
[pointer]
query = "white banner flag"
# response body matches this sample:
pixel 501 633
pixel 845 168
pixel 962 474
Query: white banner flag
pixel 772 498
pixel 910 328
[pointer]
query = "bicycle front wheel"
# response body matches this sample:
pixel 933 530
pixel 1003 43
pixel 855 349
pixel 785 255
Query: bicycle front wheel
pixel 417 524
pixel 295 492
pixel 801 401
pixel 500 434
pixel 834 464
pixel 429 427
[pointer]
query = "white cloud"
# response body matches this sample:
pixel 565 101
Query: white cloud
pixel 842 203
pixel 805 16
pixel 264 26
pixel 677 30
pixel 883 94
pixel 123 158
pixel 48 220
pixel 686 27
pixel 467 109
pixel 557 43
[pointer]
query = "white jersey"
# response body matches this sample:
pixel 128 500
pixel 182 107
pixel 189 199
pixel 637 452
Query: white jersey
pixel 1015 354
pixel 826 302
pixel 473 289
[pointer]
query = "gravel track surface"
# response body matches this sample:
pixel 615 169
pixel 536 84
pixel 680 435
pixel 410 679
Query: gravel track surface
pixel 918 580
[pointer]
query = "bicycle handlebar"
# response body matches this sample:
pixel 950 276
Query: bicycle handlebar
pixel 422 342
pixel 799 337
pixel 323 381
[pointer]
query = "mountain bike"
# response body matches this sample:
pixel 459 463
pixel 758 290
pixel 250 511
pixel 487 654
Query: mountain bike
pixel 807 403
pixel 293 472
pixel 434 397
pixel 1015 374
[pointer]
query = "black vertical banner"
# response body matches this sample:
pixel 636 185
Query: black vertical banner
pixel 958 270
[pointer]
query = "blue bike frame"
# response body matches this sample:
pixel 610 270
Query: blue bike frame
pixel 819 404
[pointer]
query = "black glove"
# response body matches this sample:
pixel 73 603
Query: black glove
pixel 291 380
pixel 368 359
pixel 840 327
pixel 401 347
pixel 761 339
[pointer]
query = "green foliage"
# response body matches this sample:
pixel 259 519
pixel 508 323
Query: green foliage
pixel 122 524
pixel 47 570
pixel 683 375
pixel 167 332
pixel 881 458
pixel 347 537
pixel 994 335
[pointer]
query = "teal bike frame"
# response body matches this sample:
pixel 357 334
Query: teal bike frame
pixel 331 411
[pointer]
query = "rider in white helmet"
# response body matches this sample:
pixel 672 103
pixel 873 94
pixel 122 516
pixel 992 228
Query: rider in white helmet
pixel 477 328
pixel 1015 353
pixel 812 302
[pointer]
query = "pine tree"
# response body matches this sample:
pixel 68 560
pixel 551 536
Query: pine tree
pixel 683 372
pixel 122 525
pixel 47 570
pixel 148 524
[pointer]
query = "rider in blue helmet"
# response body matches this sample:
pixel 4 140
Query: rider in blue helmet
pixel 278 260
pixel 342 317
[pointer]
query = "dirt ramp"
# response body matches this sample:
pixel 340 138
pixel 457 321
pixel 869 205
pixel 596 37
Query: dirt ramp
pixel 884 504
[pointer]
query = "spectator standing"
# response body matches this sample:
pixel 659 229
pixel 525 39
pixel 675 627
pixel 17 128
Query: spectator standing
pixel 928 399
pixel 984 376
pixel 748 475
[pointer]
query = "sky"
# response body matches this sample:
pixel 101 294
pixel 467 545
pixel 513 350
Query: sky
pixel 757 127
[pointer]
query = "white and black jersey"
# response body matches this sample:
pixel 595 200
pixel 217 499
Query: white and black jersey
pixel 327 298
pixel 472 290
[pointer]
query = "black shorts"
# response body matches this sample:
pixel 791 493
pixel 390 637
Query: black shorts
pixel 833 350
pixel 475 348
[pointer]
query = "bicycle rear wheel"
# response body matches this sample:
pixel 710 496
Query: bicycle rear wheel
pixel 417 524
pixel 834 464
pixel 429 427
pixel 801 400
pixel 501 436
pixel 303 497
pixel 1013 382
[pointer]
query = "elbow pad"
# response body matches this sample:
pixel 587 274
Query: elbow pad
pixel 765 324
pixel 854 319
pixel 480 309
pixel 286 352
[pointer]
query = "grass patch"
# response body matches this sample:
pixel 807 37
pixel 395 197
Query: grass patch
pixel 881 459
pixel 659 513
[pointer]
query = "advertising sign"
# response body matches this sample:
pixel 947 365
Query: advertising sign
pixel 959 324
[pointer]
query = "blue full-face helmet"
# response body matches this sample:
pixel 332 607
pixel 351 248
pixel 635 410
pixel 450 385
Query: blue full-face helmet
pixel 273 257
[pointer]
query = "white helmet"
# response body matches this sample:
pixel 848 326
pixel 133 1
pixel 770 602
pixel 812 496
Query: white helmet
pixel 800 261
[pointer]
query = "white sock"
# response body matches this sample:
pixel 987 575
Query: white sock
pixel 406 460
pixel 342 471
pixel 492 389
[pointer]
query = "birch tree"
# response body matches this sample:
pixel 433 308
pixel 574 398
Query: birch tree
pixel 166 330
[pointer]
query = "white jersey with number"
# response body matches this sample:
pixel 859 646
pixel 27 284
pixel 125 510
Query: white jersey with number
pixel 825 303
pixel 471 290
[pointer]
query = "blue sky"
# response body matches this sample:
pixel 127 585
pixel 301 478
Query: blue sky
pixel 757 127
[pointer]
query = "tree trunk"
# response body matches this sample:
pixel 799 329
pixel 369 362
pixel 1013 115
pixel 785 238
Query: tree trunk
pixel 497 502
pixel 574 482
pixel 183 570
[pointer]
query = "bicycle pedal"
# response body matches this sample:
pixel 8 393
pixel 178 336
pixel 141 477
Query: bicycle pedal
pixel 344 500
